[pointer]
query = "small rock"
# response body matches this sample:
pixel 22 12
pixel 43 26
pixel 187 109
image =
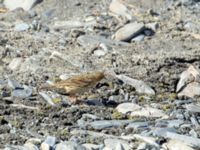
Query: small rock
pixel 113 143
pixel 21 27
pixel 129 31
pixel 139 85
pixel 191 90
pixel 30 146
pixel 22 93
pixel 153 26
pixel 15 63
pixel 13 84
pixel 102 124
pixel 191 74
pixel 175 123
pixel 138 38
pixel 34 141
pixel 99 52
pixel 149 112
pixel 138 125
pixel 162 131
pixel 47 98
pixel 25 4
pixel 177 145
pixel 117 7
pixel 91 146
pixel 194 108
pixel 69 146
pixel 120 147
pixel 142 146
pixel 127 107
pixel 50 140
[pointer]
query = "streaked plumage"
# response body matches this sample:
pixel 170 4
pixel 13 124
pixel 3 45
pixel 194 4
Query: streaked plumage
pixel 76 84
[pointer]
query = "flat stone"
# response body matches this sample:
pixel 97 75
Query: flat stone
pixel 30 146
pixel 13 84
pixel 112 143
pixel 89 146
pixel 129 31
pixel 127 107
pixel 50 140
pixel 88 40
pixel 25 4
pixel 21 27
pixel 22 93
pixel 162 131
pixel 102 124
pixel 149 112
pixel 138 38
pixel 69 146
pixel 194 108
pixel 177 145
pixel 138 125
pixel 191 90
pixel 140 86
pixel 118 8
pixel 175 123
pixel 15 63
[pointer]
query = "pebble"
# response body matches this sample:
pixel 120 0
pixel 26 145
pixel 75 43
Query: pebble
pixel 191 90
pixel 21 27
pixel 127 107
pixel 69 146
pixel 22 93
pixel 13 84
pixel 47 98
pixel 194 108
pixel 25 4
pixel 89 146
pixel 177 145
pixel 15 63
pixel 30 146
pixel 102 124
pixel 120 9
pixel 50 140
pixel 129 31
pixel 138 125
pixel 184 138
pixel 112 143
pixel 99 53
pixel 162 131
pixel 149 112
pixel 140 86
pixel 120 147
pixel 138 38
pixel 175 123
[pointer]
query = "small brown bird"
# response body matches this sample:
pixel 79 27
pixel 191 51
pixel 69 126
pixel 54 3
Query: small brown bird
pixel 77 84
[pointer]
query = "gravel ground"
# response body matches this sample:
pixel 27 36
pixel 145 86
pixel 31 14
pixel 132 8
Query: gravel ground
pixel 58 39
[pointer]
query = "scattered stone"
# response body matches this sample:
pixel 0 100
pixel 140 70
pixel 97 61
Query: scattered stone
pixel 47 98
pixel 129 31
pixel 127 107
pixel 185 139
pixel 120 147
pixel 138 125
pixel 21 27
pixel 162 131
pixel 149 113
pixel 69 146
pixel 15 63
pixel 22 93
pixel 102 124
pixel 138 38
pixel 13 84
pixel 25 4
pixel 91 146
pixel 194 108
pixel 34 141
pixel 139 85
pixel 176 145
pixel 149 140
pixel 113 143
pixel 30 146
pixel 186 77
pixel 191 90
pixel 118 8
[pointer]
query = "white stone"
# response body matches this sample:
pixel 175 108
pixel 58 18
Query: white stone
pixel 15 63
pixel 112 143
pixel 129 31
pixel 191 90
pixel 177 145
pixel 149 112
pixel 25 4
pixel 118 8
pixel 127 107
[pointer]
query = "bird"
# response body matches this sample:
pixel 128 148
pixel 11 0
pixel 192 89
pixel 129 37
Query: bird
pixel 76 85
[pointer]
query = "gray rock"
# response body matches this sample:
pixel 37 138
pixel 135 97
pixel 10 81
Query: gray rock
pixel 99 53
pixel 47 98
pixel 137 125
pixel 185 139
pixel 161 132
pixel 129 31
pixel 15 63
pixel 194 108
pixel 50 140
pixel 25 4
pixel 138 38
pixel 102 124
pixel 140 86
pixel 113 143
pixel 177 145
pixel 30 146
pixel 127 107
pixel 89 146
pixel 120 147
pixel 21 27
pixel 175 123
pixel 88 40
pixel 13 84
pixel 22 93
pixel 69 146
